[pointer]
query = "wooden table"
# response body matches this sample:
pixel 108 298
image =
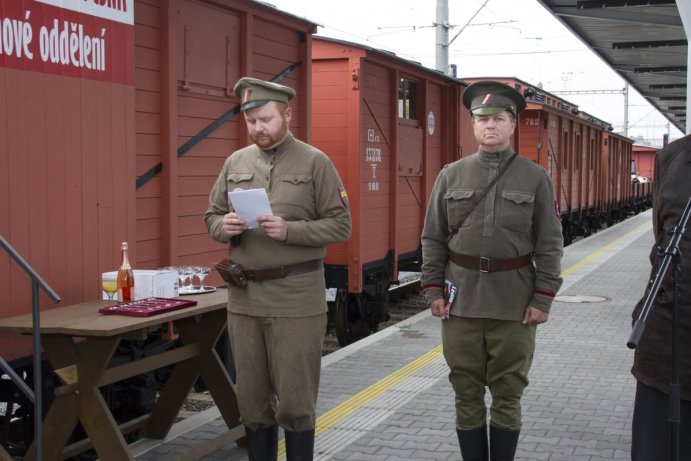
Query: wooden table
pixel 79 342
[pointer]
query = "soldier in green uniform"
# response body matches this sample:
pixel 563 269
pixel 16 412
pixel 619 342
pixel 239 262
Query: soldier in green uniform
pixel 501 251
pixel 277 320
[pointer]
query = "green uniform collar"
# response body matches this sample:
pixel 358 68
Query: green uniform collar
pixel 494 156
pixel 282 148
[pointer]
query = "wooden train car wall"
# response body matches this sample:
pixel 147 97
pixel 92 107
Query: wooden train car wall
pixel 68 149
pixel 389 125
pixel 102 108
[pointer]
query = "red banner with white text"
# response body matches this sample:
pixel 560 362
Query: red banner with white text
pixel 91 39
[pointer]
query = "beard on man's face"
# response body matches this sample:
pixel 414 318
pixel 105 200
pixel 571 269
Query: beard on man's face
pixel 266 140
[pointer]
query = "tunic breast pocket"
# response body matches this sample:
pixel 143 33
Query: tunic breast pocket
pixel 458 204
pixel 238 180
pixel 296 192
pixel 517 211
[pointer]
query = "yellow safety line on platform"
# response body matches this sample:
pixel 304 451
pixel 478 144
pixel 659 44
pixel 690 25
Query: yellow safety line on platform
pixel 336 414
pixel 339 412
pixel 605 248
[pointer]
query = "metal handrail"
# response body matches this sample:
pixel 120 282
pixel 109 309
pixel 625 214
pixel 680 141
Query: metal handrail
pixel 35 395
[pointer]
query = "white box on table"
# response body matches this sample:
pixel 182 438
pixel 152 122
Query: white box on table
pixel 158 283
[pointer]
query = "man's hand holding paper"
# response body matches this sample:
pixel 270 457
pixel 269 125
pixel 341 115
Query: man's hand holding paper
pixel 249 204
pixel 233 224
pixel 252 210
pixel 274 226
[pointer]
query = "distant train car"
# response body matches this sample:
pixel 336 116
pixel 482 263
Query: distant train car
pixel 389 125
pixel 642 176
pixel 617 186
pixel 643 162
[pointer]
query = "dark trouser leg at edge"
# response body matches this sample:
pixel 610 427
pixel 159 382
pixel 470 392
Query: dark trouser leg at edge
pixel 299 445
pixel 262 444
pixel 502 444
pixel 473 443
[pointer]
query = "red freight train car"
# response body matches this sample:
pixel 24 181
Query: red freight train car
pixel 120 136
pixel 389 125
pixel 128 153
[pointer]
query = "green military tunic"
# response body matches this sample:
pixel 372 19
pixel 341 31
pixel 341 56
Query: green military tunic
pixel 304 189
pixel 277 326
pixel 517 216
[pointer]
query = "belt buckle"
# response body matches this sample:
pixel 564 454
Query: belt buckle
pixel 484 264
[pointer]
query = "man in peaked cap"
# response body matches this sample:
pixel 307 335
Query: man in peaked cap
pixel 491 234
pixel 489 98
pixel 277 318
pixel 255 93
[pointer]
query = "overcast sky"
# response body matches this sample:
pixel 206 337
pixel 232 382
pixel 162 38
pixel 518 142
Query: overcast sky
pixel 504 38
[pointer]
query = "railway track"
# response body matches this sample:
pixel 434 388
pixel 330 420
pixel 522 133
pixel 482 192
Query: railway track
pixel 405 301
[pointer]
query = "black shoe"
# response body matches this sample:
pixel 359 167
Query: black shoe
pixel 299 445
pixel 502 444
pixel 262 444
pixel 473 443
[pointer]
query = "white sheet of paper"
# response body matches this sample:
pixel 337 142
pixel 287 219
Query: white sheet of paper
pixel 249 204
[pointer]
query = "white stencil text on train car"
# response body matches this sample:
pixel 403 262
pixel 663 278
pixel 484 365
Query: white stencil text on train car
pixel 373 157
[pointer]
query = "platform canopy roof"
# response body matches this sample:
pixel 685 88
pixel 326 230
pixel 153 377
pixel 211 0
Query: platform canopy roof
pixel 642 40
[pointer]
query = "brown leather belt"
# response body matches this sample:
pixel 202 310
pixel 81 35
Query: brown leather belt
pixel 490 264
pixel 260 275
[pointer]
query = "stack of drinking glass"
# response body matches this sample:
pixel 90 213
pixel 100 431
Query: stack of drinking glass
pixel 191 279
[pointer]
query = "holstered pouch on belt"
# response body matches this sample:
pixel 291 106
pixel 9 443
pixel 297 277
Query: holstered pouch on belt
pixel 231 272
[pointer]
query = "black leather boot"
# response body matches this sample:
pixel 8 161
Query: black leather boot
pixel 502 444
pixel 299 445
pixel 473 443
pixel 262 444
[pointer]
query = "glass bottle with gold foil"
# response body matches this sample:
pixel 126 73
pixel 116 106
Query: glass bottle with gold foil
pixel 125 277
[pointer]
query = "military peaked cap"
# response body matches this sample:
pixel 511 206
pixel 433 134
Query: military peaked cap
pixel 254 92
pixel 489 97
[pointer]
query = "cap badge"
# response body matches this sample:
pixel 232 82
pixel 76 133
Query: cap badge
pixel 487 99
pixel 248 95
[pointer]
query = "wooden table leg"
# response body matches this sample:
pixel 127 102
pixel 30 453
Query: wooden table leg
pixel 205 331
pixel 91 358
pixel 58 426
pixel 216 378
pixel 62 415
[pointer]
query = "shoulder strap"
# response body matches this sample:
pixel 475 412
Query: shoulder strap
pixel 483 193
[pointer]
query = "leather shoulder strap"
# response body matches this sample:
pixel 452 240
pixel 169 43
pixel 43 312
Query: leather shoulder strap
pixel 483 193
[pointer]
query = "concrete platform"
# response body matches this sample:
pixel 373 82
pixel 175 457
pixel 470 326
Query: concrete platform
pixel 387 397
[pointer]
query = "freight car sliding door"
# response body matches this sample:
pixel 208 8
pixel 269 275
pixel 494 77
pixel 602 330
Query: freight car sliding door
pixel 190 53
pixel 335 132
pixel 402 138
pixel 411 149
pixel 208 51
pixel 424 145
